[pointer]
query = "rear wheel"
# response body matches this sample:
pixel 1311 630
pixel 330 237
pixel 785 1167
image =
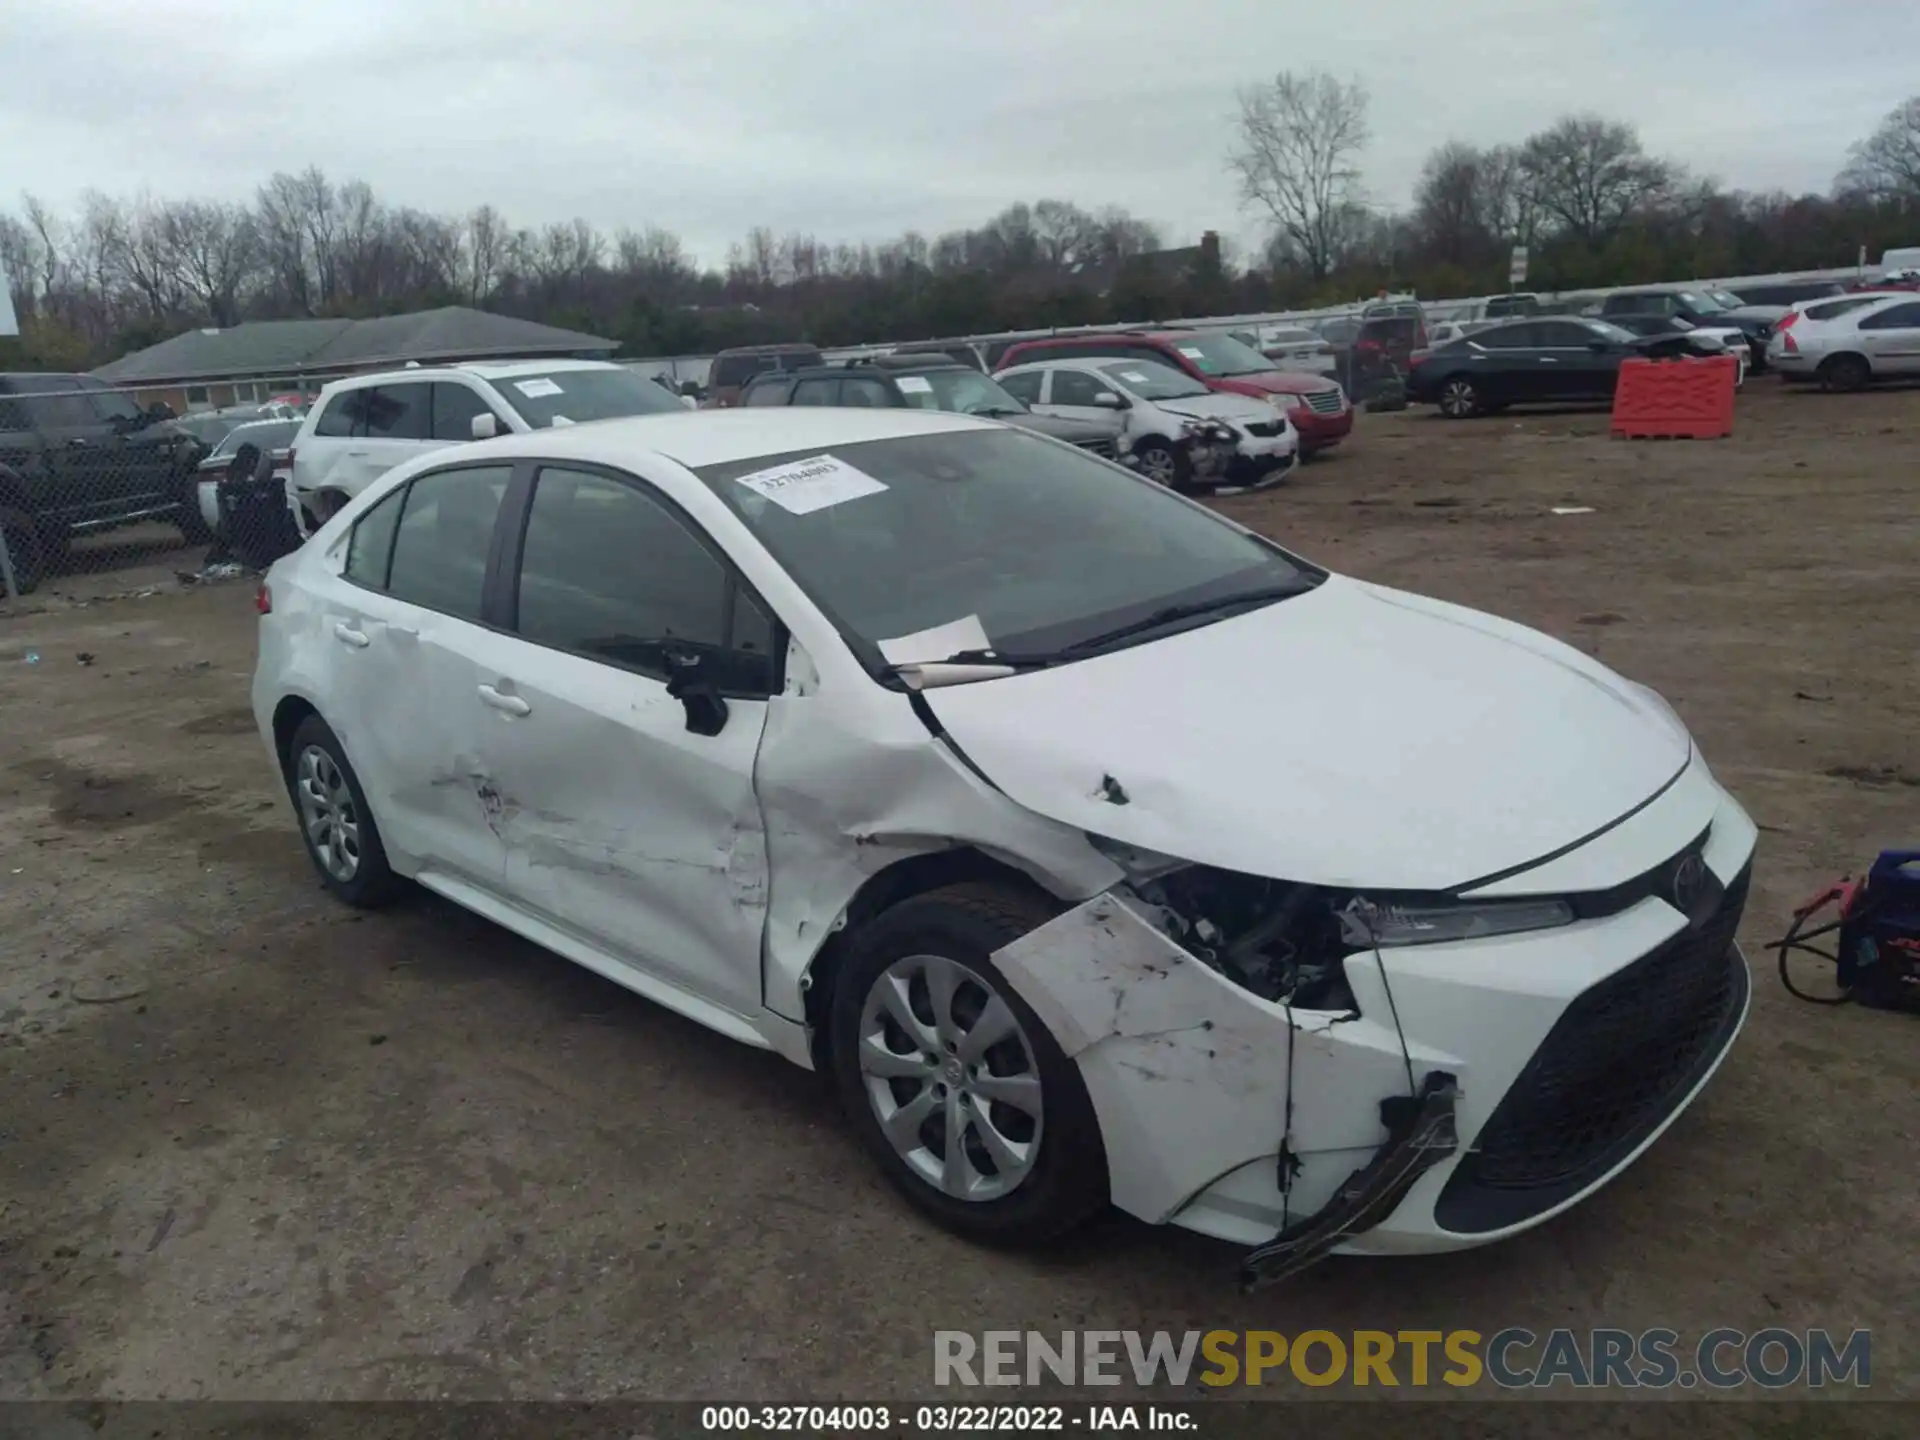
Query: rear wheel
pixel 192 524
pixel 341 838
pixel 1459 398
pixel 1845 372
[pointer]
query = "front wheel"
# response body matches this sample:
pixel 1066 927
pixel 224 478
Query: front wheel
pixel 1164 465
pixel 191 523
pixel 1459 399
pixel 25 549
pixel 952 1082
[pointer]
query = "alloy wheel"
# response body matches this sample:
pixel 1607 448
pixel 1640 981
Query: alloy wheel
pixel 1159 464
pixel 1458 399
pixel 951 1077
pixel 327 813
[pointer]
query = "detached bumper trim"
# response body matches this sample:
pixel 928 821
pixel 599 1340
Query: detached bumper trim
pixel 1422 1134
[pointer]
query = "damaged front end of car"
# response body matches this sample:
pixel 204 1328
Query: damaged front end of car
pixel 1246 1030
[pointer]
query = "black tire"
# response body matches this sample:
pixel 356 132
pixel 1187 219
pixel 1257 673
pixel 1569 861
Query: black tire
pixel 372 882
pixel 965 924
pixel 1459 398
pixel 1158 459
pixel 24 548
pixel 1845 372
pixel 191 523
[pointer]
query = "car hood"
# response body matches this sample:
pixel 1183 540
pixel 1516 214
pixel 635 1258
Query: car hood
pixel 1218 405
pixel 1062 427
pixel 1275 382
pixel 1350 736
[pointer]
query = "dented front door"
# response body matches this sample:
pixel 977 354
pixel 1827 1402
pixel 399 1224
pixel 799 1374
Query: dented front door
pixel 628 829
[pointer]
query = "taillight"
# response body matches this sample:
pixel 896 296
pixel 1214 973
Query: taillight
pixel 1787 342
pixel 1788 320
pixel 263 599
pixel 1417 357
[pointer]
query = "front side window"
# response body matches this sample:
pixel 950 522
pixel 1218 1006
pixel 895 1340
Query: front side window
pixel 113 405
pixel 1043 545
pixel 397 412
pixel 445 533
pixel 455 408
pixel 767 392
pixel 865 394
pixel 343 416
pixel 610 573
pixel 1895 317
pixel 67 411
pixel 573 396
pixel 1075 387
pixel 815 392
pixel 1507 337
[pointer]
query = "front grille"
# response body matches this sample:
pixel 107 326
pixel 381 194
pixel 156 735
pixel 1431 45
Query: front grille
pixel 1325 402
pixel 1266 429
pixel 1612 1068
pixel 1103 448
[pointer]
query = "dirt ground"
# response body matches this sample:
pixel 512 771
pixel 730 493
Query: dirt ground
pixel 253 1145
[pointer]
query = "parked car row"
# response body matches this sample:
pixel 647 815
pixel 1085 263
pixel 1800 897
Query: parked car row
pixel 1555 358
pixel 1848 343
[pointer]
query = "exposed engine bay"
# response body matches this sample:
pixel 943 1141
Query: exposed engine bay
pixel 1281 941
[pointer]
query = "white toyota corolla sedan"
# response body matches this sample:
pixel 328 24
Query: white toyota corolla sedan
pixel 1102 850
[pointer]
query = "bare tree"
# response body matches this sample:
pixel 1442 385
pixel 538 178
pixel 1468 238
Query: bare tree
pixel 1590 174
pixel 1297 146
pixel 215 251
pixel 1886 165
pixel 1449 204
pixel 285 250
pixel 485 254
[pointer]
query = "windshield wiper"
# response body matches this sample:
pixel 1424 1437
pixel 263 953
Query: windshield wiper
pixel 1165 615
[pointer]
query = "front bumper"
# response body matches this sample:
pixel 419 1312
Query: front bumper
pixel 1193 1078
pixel 1319 431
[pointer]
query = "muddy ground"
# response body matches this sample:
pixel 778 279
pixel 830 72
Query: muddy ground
pixel 255 1145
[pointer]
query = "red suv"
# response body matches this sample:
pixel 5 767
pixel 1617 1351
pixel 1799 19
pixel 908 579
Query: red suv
pixel 1317 406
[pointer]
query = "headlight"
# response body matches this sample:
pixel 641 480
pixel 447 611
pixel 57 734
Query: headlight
pixel 1224 432
pixel 1365 923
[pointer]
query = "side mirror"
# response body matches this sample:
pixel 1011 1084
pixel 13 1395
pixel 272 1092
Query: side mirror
pixel 484 427
pixel 1107 400
pixel 706 708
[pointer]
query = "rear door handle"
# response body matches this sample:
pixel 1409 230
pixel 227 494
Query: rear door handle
pixel 347 635
pixel 501 701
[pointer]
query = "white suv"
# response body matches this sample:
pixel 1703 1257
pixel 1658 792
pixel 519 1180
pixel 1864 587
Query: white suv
pixel 362 427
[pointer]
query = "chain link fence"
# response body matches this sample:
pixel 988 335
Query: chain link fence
pixel 95 480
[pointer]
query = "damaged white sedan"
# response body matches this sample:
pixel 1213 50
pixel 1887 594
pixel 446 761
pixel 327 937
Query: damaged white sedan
pixel 1104 851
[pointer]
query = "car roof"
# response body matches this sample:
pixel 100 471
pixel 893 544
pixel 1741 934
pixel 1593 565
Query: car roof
pixel 478 369
pixel 694 438
pixel 785 347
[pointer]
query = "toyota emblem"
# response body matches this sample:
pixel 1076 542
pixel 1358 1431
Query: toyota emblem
pixel 1689 883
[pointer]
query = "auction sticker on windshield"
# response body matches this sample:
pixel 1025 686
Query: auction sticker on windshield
pixel 803 486
pixel 915 384
pixel 1133 377
pixel 1192 352
pixel 536 388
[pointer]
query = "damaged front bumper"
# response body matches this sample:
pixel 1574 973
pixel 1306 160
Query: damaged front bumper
pixel 1420 1134
pixel 1262 1123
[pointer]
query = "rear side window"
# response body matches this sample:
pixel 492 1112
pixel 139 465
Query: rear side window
pixel 815 392
pixel 70 411
pixel 610 573
pixel 1025 388
pixel 372 543
pixel 732 370
pixel 865 394
pixel 766 392
pixel 399 412
pixel 1838 308
pixel 341 419
pixel 1899 317
pixel 455 408
pixel 441 544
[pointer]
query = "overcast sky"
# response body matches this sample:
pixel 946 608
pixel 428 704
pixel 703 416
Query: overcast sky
pixel 858 119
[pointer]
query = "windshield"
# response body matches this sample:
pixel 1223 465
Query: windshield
pixel 996 533
pixel 1149 380
pixel 1215 354
pixel 267 434
pixel 572 396
pixel 1699 303
pixel 965 392
pixel 1725 299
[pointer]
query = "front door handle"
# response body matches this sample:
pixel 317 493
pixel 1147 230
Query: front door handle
pixel 347 635
pixel 503 702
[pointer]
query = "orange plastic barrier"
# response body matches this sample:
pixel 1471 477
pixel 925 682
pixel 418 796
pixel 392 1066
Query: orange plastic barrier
pixel 1675 399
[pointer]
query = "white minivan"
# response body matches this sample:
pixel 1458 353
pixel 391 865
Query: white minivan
pixel 363 426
